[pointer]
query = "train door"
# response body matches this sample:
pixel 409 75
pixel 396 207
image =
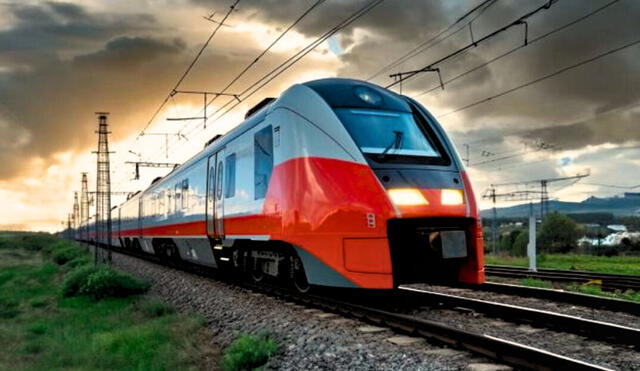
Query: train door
pixel 215 199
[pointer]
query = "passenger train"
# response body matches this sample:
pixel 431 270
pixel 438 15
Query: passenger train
pixel 338 182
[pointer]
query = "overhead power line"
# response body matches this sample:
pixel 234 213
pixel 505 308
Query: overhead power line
pixel 191 65
pixel 422 47
pixel 270 76
pixel 542 78
pixel 522 20
pixel 266 50
pixel 266 79
pixel 521 46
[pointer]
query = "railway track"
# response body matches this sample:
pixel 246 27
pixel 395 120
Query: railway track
pixel 502 350
pixel 597 330
pixel 608 281
pixel 589 301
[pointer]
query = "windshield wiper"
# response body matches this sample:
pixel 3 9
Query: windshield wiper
pixel 397 143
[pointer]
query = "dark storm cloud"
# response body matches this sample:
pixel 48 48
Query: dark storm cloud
pixel 58 27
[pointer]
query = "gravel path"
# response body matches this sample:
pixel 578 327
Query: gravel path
pixel 309 339
pixel 619 318
pixel 613 356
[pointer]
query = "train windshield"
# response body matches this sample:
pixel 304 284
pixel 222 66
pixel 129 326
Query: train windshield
pixel 387 134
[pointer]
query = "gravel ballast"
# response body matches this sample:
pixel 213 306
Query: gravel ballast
pixel 309 339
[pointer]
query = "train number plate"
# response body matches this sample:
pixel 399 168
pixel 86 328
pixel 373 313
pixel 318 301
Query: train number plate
pixel 454 244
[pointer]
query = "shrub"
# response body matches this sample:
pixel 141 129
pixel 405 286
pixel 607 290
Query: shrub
pixel 78 262
pixel 65 254
pixel 76 279
pixel 36 241
pixel 249 352
pixel 157 309
pixel 108 283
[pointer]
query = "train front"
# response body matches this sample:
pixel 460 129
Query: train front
pixel 434 233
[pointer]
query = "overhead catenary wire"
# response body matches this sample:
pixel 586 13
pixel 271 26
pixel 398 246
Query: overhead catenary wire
pixel 521 46
pixel 542 78
pixel 266 79
pixel 422 47
pixel 474 43
pixel 190 67
pixel 271 75
pixel 266 50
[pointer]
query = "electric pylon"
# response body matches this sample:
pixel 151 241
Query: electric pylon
pixel 103 191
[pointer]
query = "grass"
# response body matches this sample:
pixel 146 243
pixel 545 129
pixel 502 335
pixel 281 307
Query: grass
pixel 629 265
pixel 42 329
pixel 249 352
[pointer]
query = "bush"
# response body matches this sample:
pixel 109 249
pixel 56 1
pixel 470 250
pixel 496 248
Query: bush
pixel 76 279
pixel 65 254
pixel 155 308
pixel 249 352
pixel 108 283
pixel 36 241
pixel 78 262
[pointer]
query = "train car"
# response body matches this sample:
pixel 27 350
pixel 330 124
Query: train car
pixel 338 182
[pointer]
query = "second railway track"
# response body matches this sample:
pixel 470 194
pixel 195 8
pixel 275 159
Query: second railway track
pixel 607 281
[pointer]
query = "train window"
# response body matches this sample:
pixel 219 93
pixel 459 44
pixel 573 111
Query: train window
pixel 176 197
pixel 185 194
pixel 263 161
pixel 230 176
pixel 389 134
pixel 212 178
pixel 161 204
pixel 219 182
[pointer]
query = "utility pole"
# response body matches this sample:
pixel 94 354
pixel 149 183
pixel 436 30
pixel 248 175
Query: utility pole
pixel 84 207
pixel 103 190
pixel 531 246
pixel 76 214
pixel 494 226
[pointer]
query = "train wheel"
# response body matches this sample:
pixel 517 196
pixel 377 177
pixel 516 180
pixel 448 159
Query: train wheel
pixel 257 276
pixel 299 276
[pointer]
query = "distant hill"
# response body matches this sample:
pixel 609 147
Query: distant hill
pixel 618 206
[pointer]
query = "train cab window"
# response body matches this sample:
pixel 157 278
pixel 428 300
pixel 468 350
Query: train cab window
pixel 170 201
pixel 176 196
pixel 263 161
pixel 185 194
pixel 390 135
pixel 230 176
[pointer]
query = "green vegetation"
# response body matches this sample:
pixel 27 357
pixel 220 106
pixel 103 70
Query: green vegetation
pixel 590 263
pixel 532 282
pixel 53 316
pixel 249 352
pixel 559 234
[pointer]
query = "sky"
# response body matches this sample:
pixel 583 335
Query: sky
pixel 60 62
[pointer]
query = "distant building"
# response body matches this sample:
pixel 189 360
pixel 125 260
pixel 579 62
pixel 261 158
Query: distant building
pixel 617 227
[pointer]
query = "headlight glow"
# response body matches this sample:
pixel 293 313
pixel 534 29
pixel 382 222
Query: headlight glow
pixel 407 197
pixel 452 197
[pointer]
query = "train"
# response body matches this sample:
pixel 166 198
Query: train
pixel 338 182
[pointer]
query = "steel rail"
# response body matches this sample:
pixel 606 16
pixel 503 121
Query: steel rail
pixel 502 350
pixel 591 301
pixel 609 281
pixel 592 329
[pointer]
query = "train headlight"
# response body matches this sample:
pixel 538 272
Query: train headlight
pixel 452 197
pixel 407 197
